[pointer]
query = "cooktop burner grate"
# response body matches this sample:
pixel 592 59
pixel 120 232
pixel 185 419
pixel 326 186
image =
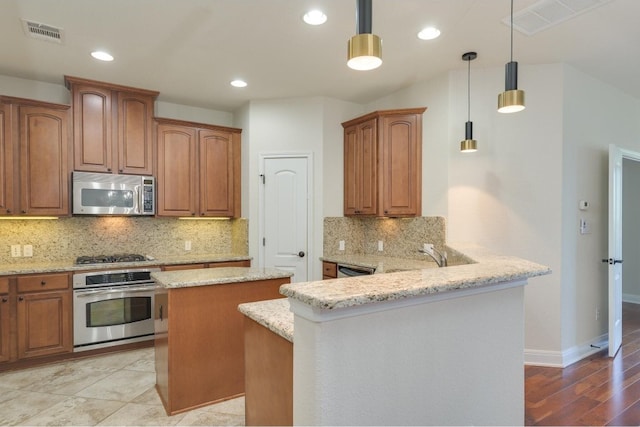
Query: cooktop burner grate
pixel 102 259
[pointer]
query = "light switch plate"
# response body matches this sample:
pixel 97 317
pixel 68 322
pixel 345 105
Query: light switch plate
pixel 27 250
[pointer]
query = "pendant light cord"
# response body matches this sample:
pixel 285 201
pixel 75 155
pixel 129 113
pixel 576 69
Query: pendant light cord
pixel 468 90
pixel 511 58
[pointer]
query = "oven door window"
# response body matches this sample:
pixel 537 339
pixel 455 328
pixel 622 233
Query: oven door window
pixel 118 311
pixel 107 198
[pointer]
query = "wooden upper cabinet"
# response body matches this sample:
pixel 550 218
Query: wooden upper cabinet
pixel 401 136
pixel 176 181
pixel 6 161
pixel 383 164
pixel 44 164
pixel 219 172
pixel 34 157
pixel 112 127
pixel 198 169
pixel 360 170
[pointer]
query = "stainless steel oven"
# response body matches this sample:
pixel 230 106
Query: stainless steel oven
pixel 112 307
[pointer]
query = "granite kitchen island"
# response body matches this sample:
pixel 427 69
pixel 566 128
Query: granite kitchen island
pixel 438 346
pixel 199 342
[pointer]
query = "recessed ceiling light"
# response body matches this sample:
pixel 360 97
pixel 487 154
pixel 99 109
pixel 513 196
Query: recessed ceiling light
pixel 429 33
pixel 238 83
pixel 315 17
pixel 102 56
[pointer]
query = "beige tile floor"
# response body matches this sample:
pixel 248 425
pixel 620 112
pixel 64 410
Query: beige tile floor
pixel 116 389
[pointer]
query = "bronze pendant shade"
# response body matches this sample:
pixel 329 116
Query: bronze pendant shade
pixel 364 50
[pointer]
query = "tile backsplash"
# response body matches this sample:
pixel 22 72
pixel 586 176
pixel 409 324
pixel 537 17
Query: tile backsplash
pixel 65 239
pixel 401 237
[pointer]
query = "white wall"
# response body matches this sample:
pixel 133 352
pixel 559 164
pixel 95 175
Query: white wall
pixel 595 115
pixel 193 114
pixel 295 125
pixel 32 89
pixel 631 231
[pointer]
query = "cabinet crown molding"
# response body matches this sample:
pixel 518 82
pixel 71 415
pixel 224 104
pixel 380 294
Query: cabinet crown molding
pixel 69 81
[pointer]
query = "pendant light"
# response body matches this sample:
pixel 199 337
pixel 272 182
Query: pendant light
pixel 364 51
pixel 469 145
pixel 512 99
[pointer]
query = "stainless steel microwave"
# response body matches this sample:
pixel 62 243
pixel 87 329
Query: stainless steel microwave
pixel 111 194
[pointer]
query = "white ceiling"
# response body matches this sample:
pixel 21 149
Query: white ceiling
pixel 190 50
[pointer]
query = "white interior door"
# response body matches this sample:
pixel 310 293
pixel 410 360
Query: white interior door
pixel 615 249
pixel 616 155
pixel 286 215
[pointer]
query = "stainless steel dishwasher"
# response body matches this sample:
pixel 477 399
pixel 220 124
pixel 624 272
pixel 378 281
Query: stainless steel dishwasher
pixel 351 271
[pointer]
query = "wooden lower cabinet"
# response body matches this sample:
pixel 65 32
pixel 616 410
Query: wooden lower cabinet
pixel 199 341
pixel 35 317
pixel 329 270
pixel 268 377
pixel 44 315
pixel 5 321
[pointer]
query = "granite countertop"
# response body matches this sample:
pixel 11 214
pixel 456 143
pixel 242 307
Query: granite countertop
pixel 216 276
pixel 382 264
pixel 487 268
pixel 62 266
pixel 273 314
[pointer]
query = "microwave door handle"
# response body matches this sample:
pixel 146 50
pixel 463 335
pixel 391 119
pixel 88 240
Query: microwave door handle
pixel 140 207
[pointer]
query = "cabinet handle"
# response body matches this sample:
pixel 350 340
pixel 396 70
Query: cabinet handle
pixel 8 210
pixel 160 313
pixel 20 298
pixel 43 283
pixel 4 299
pixel 24 212
pixel 120 170
pixel 201 213
pixel 193 214
pixel 108 169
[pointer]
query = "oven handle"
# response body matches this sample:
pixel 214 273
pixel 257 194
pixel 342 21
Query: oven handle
pixel 85 294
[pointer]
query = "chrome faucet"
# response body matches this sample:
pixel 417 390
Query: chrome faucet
pixel 439 258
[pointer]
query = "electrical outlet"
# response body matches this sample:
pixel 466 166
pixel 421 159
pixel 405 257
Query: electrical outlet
pixel 15 251
pixel 380 246
pixel 341 245
pixel 597 313
pixel 27 250
pixel 187 245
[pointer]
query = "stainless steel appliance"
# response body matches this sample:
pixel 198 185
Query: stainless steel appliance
pixel 350 271
pixel 111 194
pixel 112 307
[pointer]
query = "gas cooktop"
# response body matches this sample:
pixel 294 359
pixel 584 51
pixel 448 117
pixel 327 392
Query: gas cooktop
pixel 102 259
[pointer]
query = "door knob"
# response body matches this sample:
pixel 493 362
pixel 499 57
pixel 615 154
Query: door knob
pixel 612 261
pixel 301 254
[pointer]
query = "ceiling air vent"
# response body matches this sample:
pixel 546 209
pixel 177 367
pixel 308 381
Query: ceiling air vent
pixel 547 13
pixel 43 31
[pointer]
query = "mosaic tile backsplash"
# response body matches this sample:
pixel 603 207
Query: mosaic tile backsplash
pixel 65 239
pixel 401 237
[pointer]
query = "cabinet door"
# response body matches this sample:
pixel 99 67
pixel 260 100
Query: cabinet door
pixel 360 169
pixel 177 175
pixel 135 127
pixel 6 161
pixel 44 324
pixel 401 164
pixel 92 129
pixel 44 169
pixel 217 173
pixel 5 326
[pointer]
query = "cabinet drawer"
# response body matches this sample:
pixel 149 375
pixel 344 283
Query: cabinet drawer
pixel 45 282
pixel 329 269
pixel 4 285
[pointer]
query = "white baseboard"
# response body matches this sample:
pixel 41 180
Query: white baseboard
pixel 562 359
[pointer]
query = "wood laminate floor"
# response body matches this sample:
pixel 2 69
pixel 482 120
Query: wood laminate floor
pixel 596 391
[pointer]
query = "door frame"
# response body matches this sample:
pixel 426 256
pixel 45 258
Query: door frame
pixel 616 154
pixel 262 157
